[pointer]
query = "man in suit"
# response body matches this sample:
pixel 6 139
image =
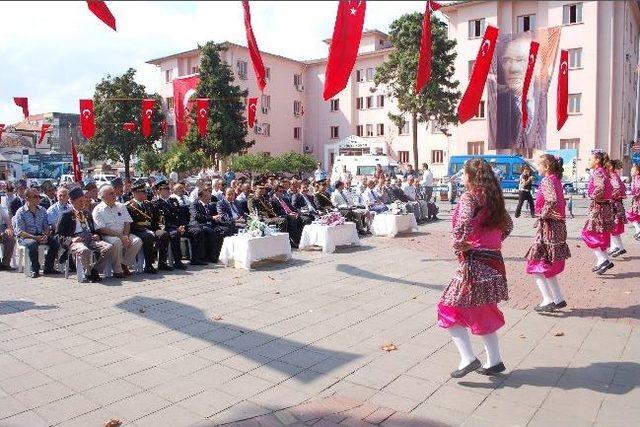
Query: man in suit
pixel 282 208
pixel 361 217
pixel 48 197
pixel 77 235
pixel 148 227
pixel 303 202
pixel 228 209
pixel 206 220
pixel 169 209
pixel 242 198
pixel 260 205
pixel 321 198
pixel 19 200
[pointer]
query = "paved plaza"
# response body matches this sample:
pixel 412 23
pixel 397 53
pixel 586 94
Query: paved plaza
pixel 300 344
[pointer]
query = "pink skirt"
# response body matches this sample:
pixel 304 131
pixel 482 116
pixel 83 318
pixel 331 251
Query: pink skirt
pixel 633 217
pixel 548 269
pixel 618 229
pixel 481 320
pixel 595 240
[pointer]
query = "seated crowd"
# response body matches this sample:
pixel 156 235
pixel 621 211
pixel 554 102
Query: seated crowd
pixel 121 223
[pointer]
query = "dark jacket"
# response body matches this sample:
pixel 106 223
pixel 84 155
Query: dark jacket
pixel 277 207
pixel 322 201
pixel 145 217
pixel 199 215
pixel 224 208
pixel 242 206
pixel 298 201
pixel 16 204
pixel 170 211
pixel 46 202
pixel 261 206
pixel 66 227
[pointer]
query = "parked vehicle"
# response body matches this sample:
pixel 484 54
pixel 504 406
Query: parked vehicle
pixel 510 169
pixel 103 179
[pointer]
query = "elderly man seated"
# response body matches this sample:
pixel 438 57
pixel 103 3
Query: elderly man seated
pixel 7 240
pixel 304 203
pixel 207 223
pixel 58 208
pixel 295 221
pixel 321 198
pixel 397 195
pixel 33 229
pixel 227 208
pixel 361 217
pixel 371 200
pixel 420 206
pixel 77 234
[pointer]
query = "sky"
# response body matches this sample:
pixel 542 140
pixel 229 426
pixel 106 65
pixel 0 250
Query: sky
pixel 55 52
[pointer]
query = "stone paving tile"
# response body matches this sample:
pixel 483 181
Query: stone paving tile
pixel 136 406
pixel 43 394
pixel 172 416
pixel 209 402
pixel 66 409
pixel 111 392
pixel 25 419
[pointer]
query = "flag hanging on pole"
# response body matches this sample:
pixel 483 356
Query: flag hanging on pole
pixel 254 52
pixel 424 59
pixel 531 63
pixel 202 105
pixel 343 50
pixel 562 106
pixel 471 99
pixel 24 104
pixel 184 90
pixel 252 104
pixel 87 122
pixel 101 10
pixel 147 116
pixel 75 164
pixel 43 130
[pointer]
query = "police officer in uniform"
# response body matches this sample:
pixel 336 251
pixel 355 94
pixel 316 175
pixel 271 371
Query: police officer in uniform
pixel 148 226
pixel 169 208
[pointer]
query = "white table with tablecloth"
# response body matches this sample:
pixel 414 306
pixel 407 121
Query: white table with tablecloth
pixel 241 251
pixel 387 224
pixel 329 236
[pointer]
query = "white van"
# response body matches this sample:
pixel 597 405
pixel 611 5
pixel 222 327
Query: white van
pixel 363 165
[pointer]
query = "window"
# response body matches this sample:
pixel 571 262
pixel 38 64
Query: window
pixel 437 157
pixel 168 75
pixel 380 129
pixel 475 148
pixel 404 129
pixel 526 23
pixel 369 130
pixel 195 70
pixel 480 113
pixel 359 76
pixel 335 132
pixel 574 103
pixel 476 28
pixel 359 130
pixel 370 101
pixel 297 108
pixel 435 127
pixel 360 103
pixel 297 131
pixel 297 80
pixel 575 58
pixel 170 103
pixel 267 73
pixel 403 156
pixel 265 103
pixel 335 104
pixel 242 69
pixel 370 73
pixel 380 101
pixel 471 64
pixel 571 144
pixel 572 13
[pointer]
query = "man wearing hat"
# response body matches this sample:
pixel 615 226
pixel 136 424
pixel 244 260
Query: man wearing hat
pixel 147 225
pixel 77 235
pixel 19 200
pixel 260 205
pixel 169 208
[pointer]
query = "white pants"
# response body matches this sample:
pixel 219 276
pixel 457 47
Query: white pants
pixel 124 255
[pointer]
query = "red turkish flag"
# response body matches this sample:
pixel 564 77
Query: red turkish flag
pixel 469 104
pixel 424 60
pixel 562 106
pixel 183 91
pixel 254 52
pixel 533 54
pixel 101 10
pixel 24 103
pixel 147 116
pixel 343 50
pixel 129 126
pixel 43 130
pixel 252 104
pixel 75 164
pixel 87 120
pixel 202 104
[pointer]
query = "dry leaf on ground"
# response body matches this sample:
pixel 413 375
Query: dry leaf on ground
pixel 521 336
pixel 217 317
pixel 558 334
pixel 389 347
pixel 113 423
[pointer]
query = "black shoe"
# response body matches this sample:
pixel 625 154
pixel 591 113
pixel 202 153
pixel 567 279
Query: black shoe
pixel 150 270
pixel 94 277
pixel 34 274
pixel 561 304
pixel 51 272
pixel 637 236
pixel 605 266
pixel 619 252
pixel 549 308
pixel 180 266
pixel 494 370
pixel 459 373
pixel 614 253
pixel 165 267
pixel 196 262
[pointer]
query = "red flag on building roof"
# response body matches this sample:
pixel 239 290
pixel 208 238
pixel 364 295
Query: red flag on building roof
pixel 87 120
pixel 533 54
pixel 101 10
pixel 24 103
pixel 562 106
pixel 471 99
pixel 75 164
pixel 202 104
pixel 43 130
pixel 147 115
pixel 252 104
pixel 254 52
pixel 343 50
pixel 424 59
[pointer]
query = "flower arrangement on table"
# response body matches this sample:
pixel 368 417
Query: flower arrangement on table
pixel 398 208
pixel 256 228
pixel 331 219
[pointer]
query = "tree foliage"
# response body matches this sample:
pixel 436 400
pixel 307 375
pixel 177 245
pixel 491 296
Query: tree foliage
pixel 180 158
pixel 151 160
pixel 439 98
pixel 226 129
pixel 258 163
pixel 111 141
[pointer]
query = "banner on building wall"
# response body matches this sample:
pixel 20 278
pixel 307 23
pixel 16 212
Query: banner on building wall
pixel 184 95
pixel 504 89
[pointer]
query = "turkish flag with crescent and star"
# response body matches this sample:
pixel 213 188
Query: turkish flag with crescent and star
pixel 184 92
pixel 343 50
pixel 202 105
pixel 147 116
pixel 101 10
pixel 562 106
pixel 471 99
pixel 533 54
pixel 44 128
pixel 24 104
pixel 75 164
pixel 252 104
pixel 87 120
pixel 424 59
pixel 254 52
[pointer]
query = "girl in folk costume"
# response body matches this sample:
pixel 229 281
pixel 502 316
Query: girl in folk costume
pixel 480 224
pixel 597 230
pixel 619 215
pixel 633 215
pixel 546 257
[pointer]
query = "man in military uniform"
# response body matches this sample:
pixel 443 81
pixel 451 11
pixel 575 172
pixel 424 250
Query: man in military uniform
pixel 147 225
pixel 259 204
pixel 169 208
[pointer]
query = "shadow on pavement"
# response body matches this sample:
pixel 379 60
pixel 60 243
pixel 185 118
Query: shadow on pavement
pixel 631 312
pixel 192 321
pixel 10 307
pixel 358 272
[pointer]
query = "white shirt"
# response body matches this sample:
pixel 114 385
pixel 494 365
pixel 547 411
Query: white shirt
pixel 194 194
pixel 351 197
pixel 338 199
pixel 112 217
pixel 369 198
pixel 409 190
pixel 427 178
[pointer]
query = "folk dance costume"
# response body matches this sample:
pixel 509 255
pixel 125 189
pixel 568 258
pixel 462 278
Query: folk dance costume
pixel 547 255
pixel 479 284
pixel 597 230
pixel 619 215
pixel 633 215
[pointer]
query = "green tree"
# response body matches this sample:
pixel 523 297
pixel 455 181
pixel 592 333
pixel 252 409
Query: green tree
pixel 181 158
pixel 252 164
pixel 151 160
pixel 439 98
pixel 226 127
pixel 294 163
pixel 118 100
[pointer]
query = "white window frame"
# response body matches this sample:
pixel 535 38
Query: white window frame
pixel 334 132
pixel 521 22
pixel 380 129
pixel 380 101
pixel 435 154
pixel 267 73
pixel 404 129
pixel 575 103
pixel 474 26
pixel 575 55
pixel 476 144
pixel 566 14
pixel 297 132
pixel 360 103
pixel 359 130
pixel 403 156
pixel 297 108
pixel 334 105
pixel 481 113
pixel 369 102
pixel 571 144
pixel 265 103
pixel 242 69
pixel 368 130
pixel 168 75
pixel 370 74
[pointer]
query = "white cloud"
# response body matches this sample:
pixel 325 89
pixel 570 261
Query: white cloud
pixel 55 52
